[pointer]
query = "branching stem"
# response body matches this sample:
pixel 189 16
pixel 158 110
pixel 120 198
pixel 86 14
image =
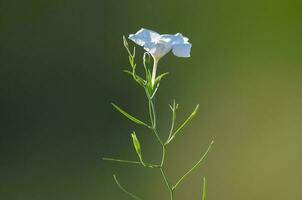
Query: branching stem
pixel 150 89
pixel 163 145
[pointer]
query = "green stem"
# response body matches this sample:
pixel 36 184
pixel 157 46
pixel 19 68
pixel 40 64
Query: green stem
pixel 153 122
pixel 172 124
pixel 163 156
pixel 171 194
pixel 164 177
pixel 150 113
pixel 153 113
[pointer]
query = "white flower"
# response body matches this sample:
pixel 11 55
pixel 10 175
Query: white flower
pixel 159 45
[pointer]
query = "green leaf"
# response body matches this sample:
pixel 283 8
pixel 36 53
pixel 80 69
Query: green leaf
pixel 129 116
pixel 159 77
pixel 137 146
pixel 186 122
pixel 136 77
pixel 204 189
pixel 128 72
pixel 149 165
pixel 151 89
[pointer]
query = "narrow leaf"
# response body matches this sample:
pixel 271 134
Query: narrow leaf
pixel 131 162
pixel 159 77
pixel 195 166
pixel 136 77
pixel 129 116
pixel 124 190
pixel 126 45
pixel 128 72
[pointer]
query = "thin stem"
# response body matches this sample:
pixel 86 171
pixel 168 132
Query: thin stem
pixel 173 108
pixel 167 182
pixel 153 114
pixel 186 122
pixel 196 165
pixel 150 113
pixel 171 194
pixel 124 190
pixel 157 136
pixel 163 156
pixel 172 124
pixel 153 121
pixel 165 178
pixel 132 162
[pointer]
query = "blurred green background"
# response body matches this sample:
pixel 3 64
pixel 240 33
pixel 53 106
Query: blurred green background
pixel 61 65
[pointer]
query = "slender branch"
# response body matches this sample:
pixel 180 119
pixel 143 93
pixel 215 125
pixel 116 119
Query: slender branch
pixel 132 162
pixel 173 108
pixel 124 190
pixel 172 125
pixel 165 178
pixel 195 166
pixel 163 155
pixel 184 124
pixel 150 113
pixel 153 114
pixel 153 120
pixel 157 136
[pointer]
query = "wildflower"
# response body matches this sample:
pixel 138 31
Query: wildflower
pixel 159 45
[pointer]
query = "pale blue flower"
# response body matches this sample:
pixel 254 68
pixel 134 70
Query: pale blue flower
pixel 159 45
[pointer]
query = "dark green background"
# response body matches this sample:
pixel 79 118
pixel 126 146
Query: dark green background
pixel 60 67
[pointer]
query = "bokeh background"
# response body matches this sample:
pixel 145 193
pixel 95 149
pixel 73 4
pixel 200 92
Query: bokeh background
pixel 61 65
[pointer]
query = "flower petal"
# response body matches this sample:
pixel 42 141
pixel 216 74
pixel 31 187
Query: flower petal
pixel 144 37
pixel 182 50
pixel 177 38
